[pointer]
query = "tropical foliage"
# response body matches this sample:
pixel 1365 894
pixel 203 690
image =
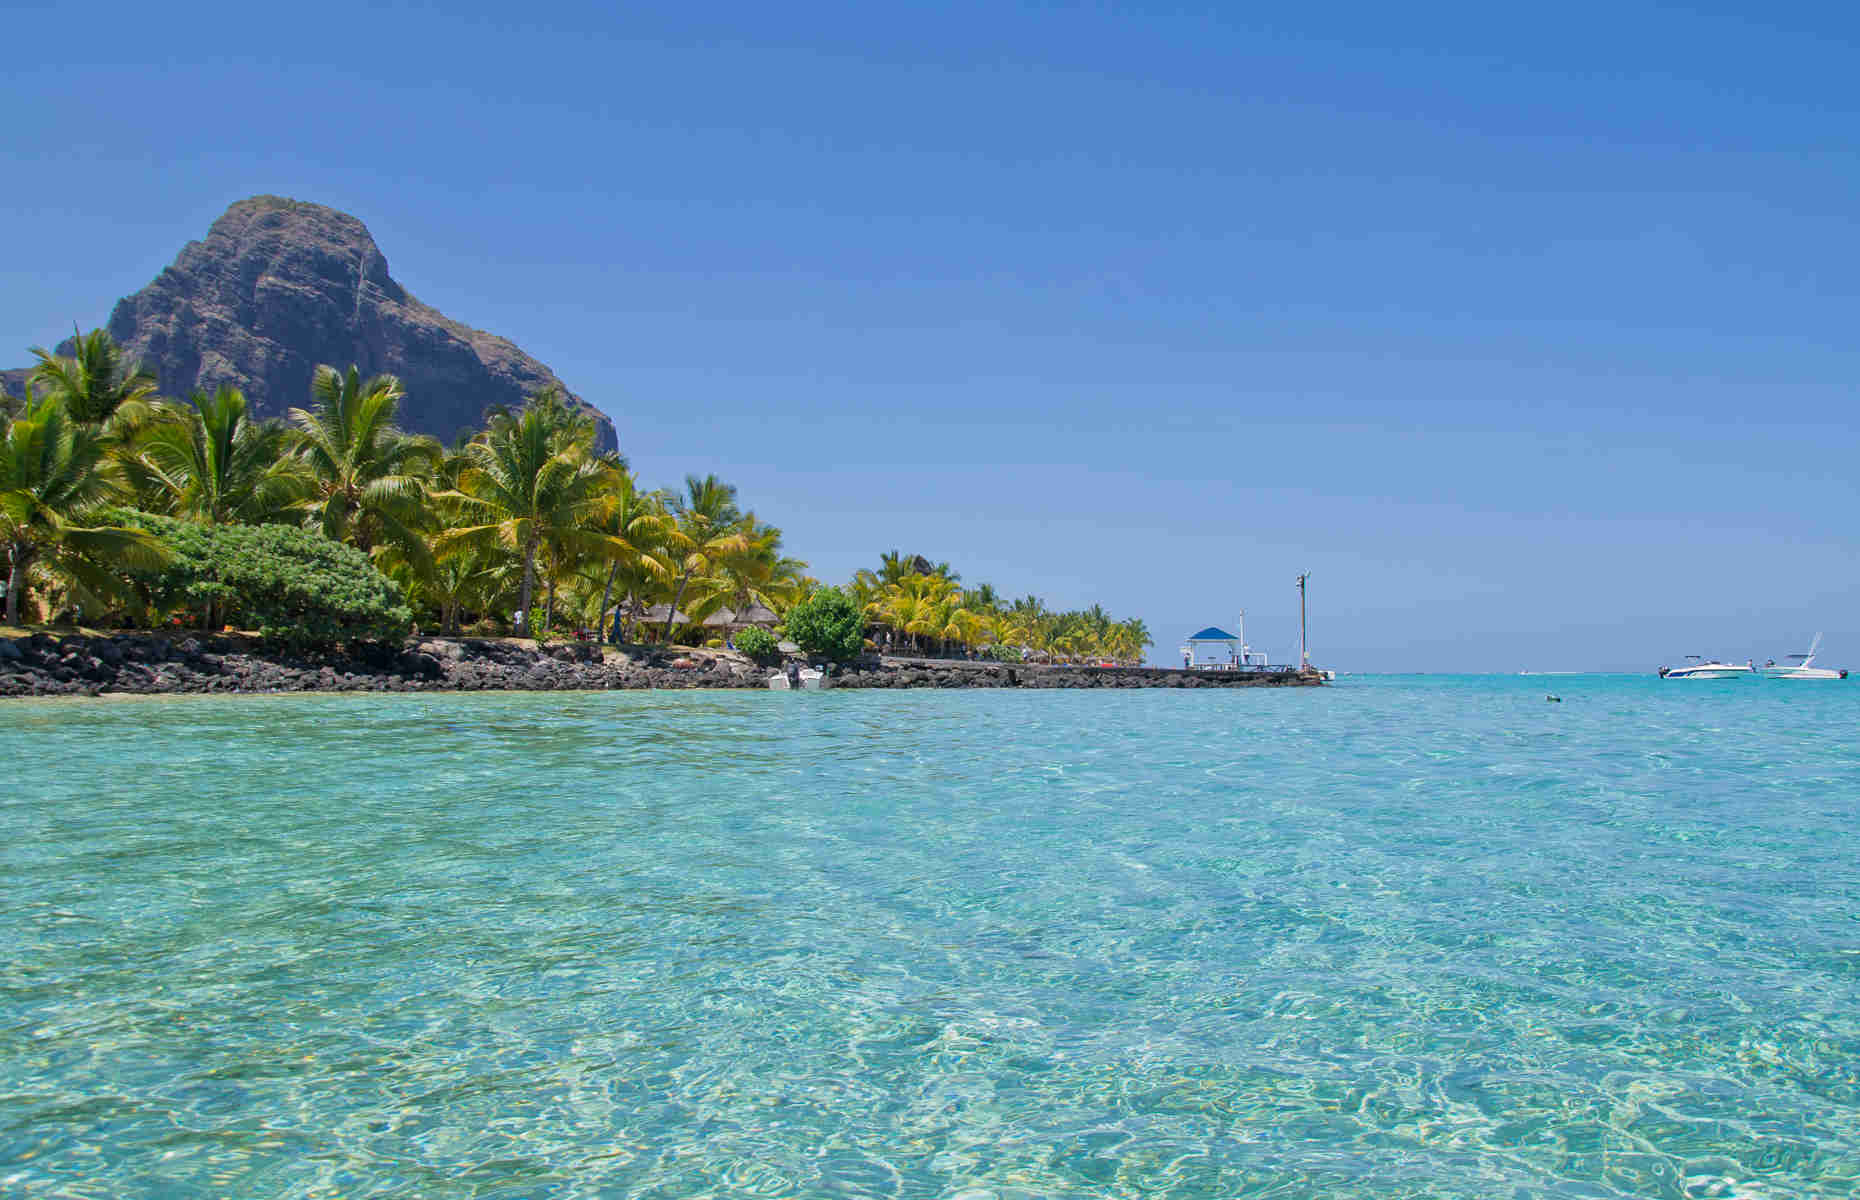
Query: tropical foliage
pixel 759 644
pixel 366 479
pixel 291 584
pixel 94 383
pixel 57 478
pixel 116 504
pixel 911 604
pixel 525 526
pixel 530 487
pixel 827 623
pixel 211 462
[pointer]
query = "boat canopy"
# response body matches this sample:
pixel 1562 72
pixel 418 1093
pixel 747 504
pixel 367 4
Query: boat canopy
pixel 1212 634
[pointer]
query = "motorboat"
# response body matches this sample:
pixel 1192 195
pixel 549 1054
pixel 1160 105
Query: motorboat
pixel 1802 666
pixel 807 679
pixel 1699 667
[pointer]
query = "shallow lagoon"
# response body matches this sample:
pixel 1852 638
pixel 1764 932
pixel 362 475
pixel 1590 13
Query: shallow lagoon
pixel 1402 937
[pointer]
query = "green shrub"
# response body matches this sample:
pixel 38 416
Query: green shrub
pixel 1008 654
pixel 759 645
pixel 292 585
pixel 827 623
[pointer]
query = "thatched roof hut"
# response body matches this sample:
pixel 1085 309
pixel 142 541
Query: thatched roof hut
pixel 658 614
pixel 756 614
pixel 732 619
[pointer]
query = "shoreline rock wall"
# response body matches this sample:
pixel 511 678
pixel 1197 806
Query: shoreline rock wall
pixel 49 664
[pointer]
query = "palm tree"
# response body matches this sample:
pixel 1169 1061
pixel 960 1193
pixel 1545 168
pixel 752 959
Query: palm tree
pixel 529 485
pixel 639 524
pixel 894 566
pixel 708 526
pixel 756 575
pixel 94 383
pixel 455 583
pixel 637 584
pixel 1134 638
pixel 368 477
pixel 213 463
pixel 565 552
pixel 919 606
pixel 56 478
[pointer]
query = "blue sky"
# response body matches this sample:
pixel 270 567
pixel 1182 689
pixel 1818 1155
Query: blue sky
pixel 1532 335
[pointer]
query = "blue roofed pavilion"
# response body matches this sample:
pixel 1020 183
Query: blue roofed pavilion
pixel 1212 647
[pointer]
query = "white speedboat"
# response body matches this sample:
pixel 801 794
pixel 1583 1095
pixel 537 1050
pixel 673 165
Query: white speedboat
pixel 1802 666
pixel 1697 667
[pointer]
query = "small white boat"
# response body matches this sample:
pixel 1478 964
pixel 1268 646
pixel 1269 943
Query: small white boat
pixel 809 679
pixel 1698 667
pixel 1802 666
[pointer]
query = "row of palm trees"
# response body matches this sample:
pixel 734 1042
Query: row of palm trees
pixel 526 508
pixel 912 602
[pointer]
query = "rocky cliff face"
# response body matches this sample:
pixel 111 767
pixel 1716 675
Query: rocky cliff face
pixel 279 286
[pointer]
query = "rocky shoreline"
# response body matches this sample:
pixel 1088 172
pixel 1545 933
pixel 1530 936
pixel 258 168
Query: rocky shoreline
pixel 51 664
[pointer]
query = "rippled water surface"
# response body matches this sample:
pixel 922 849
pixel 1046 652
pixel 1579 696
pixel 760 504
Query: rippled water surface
pixel 1403 937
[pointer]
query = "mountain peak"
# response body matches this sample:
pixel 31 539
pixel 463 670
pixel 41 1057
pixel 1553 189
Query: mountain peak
pixel 279 285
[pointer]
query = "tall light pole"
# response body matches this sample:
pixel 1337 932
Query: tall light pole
pixel 1304 656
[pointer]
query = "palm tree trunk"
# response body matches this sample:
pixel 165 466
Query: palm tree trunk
pixel 527 593
pixel 15 583
pixel 672 612
pixel 607 597
pixel 549 604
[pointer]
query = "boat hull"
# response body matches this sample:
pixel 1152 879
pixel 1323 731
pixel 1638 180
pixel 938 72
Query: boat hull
pixel 811 681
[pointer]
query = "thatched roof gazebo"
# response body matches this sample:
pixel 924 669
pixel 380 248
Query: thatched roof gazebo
pixel 733 620
pixel 756 614
pixel 658 614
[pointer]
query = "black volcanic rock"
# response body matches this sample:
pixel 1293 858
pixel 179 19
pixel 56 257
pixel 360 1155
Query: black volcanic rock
pixel 279 286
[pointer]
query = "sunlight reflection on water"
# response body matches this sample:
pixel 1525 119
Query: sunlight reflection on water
pixel 1405 937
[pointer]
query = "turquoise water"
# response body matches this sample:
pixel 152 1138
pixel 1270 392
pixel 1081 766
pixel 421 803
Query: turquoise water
pixel 1403 937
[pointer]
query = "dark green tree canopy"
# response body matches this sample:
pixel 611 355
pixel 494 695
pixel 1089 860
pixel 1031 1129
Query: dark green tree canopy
pixel 293 585
pixel 827 623
pixel 758 644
